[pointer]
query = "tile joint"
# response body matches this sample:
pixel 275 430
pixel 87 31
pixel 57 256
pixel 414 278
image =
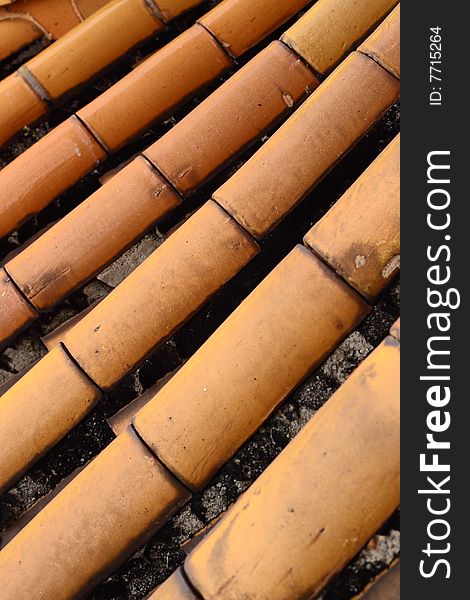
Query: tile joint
pixel 321 77
pixel 335 272
pixel 160 174
pixel 232 218
pixel 160 461
pixel 197 594
pixel 156 12
pixel 35 85
pixel 375 60
pixel 79 367
pixel 94 135
pixel 20 291
pixel 77 11
pixel 218 42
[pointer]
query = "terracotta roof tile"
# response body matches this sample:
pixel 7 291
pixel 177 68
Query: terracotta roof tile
pixel 272 342
pixel 82 243
pixel 237 113
pixel 297 541
pixel 86 533
pixel 360 236
pixel 178 434
pixel 69 151
pixel 16 313
pixel 130 106
pixel 155 87
pixel 55 395
pixel 342 20
pixel 81 54
pixel 27 20
pixel 240 24
pixel 383 45
pixel 19 106
pixel 317 135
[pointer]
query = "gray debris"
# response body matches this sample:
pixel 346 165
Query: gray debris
pixel 118 270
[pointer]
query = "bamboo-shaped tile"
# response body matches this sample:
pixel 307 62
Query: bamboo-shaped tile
pixel 93 233
pixel 293 160
pixel 148 93
pixel 162 82
pixel 246 368
pixel 234 116
pixel 240 25
pixel 105 224
pixel 344 20
pixel 340 111
pixel 360 236
pixel 19 105
pixel 55 396
pixel 155 88
pixel 108 525
pixel 170 9
pixel 116 335
pixel 23 22
pixel 115 504
pixel 76 57
pixel 384 44
pixel 16 313
pixel 168 287
pixel 187 269
pixel 70 151
pixel 90 47
pixel 318 503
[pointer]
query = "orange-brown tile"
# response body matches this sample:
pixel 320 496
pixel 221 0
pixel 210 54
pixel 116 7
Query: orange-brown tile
pixel 155 87
pixel 384 44
pixel 241 24
pixel 87 7
pixel 332 28
pixel 44 171
pixel 93 45
pixel 290 323
pixel 162 293
pixel 15 312
pixel 52 339
pixel 319 502
pixel 19 106
pixel 232 117
pixel 306 147
pixel 360 236
pixel 91 526
pixel 55 17
pixel 39 409
pixel 169 9
pixel 15 33
pixel 89 237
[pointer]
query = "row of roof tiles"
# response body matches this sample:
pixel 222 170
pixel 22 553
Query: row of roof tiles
pixel 108 35
pixel 25 21
pixel 193 59
pixel 199 258
pixel 170 451
pixel 233 382
pixel 281 540
pixel 342 109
